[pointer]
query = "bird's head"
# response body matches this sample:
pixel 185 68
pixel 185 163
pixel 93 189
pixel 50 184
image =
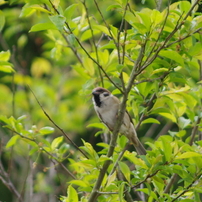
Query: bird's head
pixel 99 95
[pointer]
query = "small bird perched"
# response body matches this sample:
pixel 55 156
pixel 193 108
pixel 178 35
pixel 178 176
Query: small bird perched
pixel 106 106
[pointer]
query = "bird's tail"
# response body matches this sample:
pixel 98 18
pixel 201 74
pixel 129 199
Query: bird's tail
pixel 138 145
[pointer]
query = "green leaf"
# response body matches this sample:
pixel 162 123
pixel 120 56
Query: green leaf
pixel 169 116
pixel 29 9
pixel 111 179
pixel 56 142
pixel 4 119
pixel 96 125
pixel 173 55
pixel 5 55
pixel 42 26
pixel 46 130
pixel 125 170
pixel 69 11
pixel 2 20
pixel 183 122
pixel 121 191
pixel 144 19
pixel 6 67
pixel 102 28
pixel 39 8
pixel 72 195
pixel 150 120
pixel 58 21
pixel 156 17
pixel 166 142
pixel 188 155
pixel 79 183
pixel 12 141
pixel 160 70
pixel 122 140
pixel 196 51
pixel 89 149
pixel 184 6
pixel 136 161
pixel 71 39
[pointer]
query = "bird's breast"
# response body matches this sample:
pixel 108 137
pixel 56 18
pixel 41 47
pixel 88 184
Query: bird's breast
pixel 108 114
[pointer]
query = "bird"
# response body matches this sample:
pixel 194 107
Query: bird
pixel 106 107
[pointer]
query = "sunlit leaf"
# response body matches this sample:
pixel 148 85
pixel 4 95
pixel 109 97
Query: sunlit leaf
pixel 42 26
pixel 150 120
pixel 156 17
pixel 102 28
pixel 188 155
pixel 46 130
pixel 89 149
pixel 167 148
pixel 144 19
pixel 121 191
pixel 69 11
pixel 6 67
pixel 185 6
pixel 111 179
pixel 5 55
pixel 136 161
pixel 58 21
pixel 125 170
pixel 96 125
pixel 169 116
pixel 173 55
pixel 196 51
pixel 56 142
pixel 160 70
pixel 183 122
pixel 72 195
pixel 79 183
pixel 12 141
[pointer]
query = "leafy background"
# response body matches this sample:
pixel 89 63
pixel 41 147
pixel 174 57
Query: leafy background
pixel 55 53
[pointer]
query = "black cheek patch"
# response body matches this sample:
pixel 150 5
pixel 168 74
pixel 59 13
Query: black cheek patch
pixel 106 94
pixel 97 100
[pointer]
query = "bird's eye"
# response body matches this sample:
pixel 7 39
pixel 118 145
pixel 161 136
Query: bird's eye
pixel 106 94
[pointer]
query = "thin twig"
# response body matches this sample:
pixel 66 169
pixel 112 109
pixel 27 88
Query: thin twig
pixel 50 119
pixel 69 173
pixel 93 40
pixel 182 38
pixel 49 154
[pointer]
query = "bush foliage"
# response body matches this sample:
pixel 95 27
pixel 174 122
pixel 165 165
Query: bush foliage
pixel 54 53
